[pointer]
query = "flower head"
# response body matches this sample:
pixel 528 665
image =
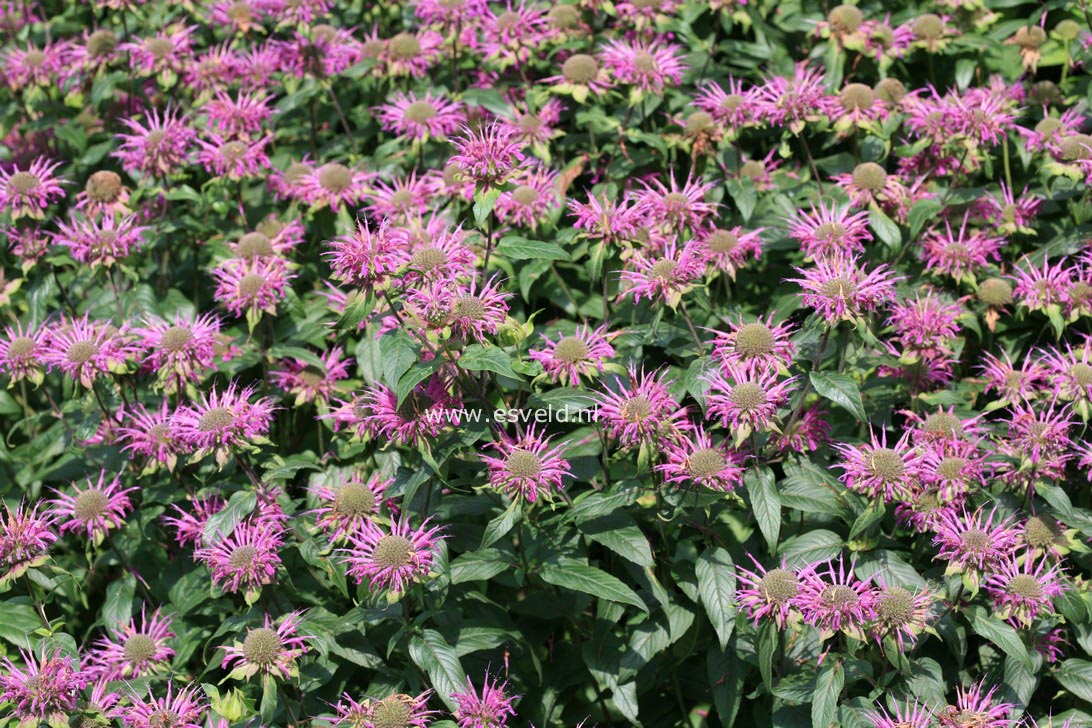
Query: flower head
pixel 129 651
pixel 489 155
pixel 489 709
pixel 840 289
pixel 345 508
pixel 391 560
pixel 44 689
pixel 28 192
pixel 833 599
pixel 1022 588
pixel 641 413
pixel 271 649
pixel 97 509
pixel 768 593
pixel 578 356
pixel 244 560
pixel 527 466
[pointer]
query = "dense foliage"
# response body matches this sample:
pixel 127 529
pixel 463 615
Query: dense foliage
pixel 651 363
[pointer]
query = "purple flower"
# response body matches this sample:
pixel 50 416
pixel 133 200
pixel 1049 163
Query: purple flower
pixel 86 350
pixel 28 192
pixel 825 231
pixel 271 649
pixel 694 458
pixel 834 599
pixel 490 709
pixel 25 538
pixel 575 357
pixel 974 542
pixel 879 471
pixel 648 66
pixel 130 651
pixel 391 560
pixel 527 466
pixel 839 289
pixel 222 419
pixel 345 508
pixel 245 560
pixel 761 343
pixel 489 155
pixel 185 708
pixel 97 509
pixel 641 413
pixel 420 117
pixel 768 593
pixel 746 397
pixel 44 689
pixel 975 706
pixel 179 351
pixel 158 147
pixel 1022 588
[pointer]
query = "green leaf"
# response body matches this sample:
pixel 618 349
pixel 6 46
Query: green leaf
pixel 766 503
pixel 19 622
pixel 417 373
pixel 886 230
pixel 767 648
pixel 517 248
pixel 482 358
pixel 478 565
pixel 716 589
pixel 920 214
pixel 483 205
pixel 619 533
pixel 432 653
pixel 726 682
pixel 574 575
pixel 501 525
pixel 238 507
pixel 1075 675
pixel 1000 634
pixel 399 354
pixel 118 606
pixel 840 389
pixel 828 688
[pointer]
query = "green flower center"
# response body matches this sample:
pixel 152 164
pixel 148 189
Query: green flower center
pixel 748 396
pixel 139 648
pixel 103 186
pixel 254 245
pixel 523 464
pixel 215 419
pixel 895 606
pixel 525 195
pixel 251 285
pixel 428 258
pixel 645 62
pixel 24 182
pixel 663 269
pixel 81 352
pixel 175 338
pixel 705 462
pixel 334 177
pixel 571 350
pixel 101 43
pixel 405 46
pixel 870 176
pixel 845 18
pixel 636 408
pixel 469 307
pixel 886 464
pixel 976 540
pixel 840 597
pixel 393 552
pixel 242 557
pixel 262 646
pixel 840 287
pixel 21 346
pixel 995 292
pixel 392 712
pixel 779 586
pixel 1082 374
pixel 857 97
pixel 929 27
pixel 1076 147
pixel 564 17
pixel 943 423
pixel 699 122
pixel 420 112
pixel 951 468
pixel 1025 586
pixel 90 504
pixel 755 340
pixel 354 500
pixel 580 69
pixel 890 90
pixel 1042 532
pixel 159 47
pixel 722 241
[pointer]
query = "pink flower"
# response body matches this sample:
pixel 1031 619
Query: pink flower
pixel 236 158
pixel 575 357
pixel 104 241
pixel 810 432
pixel 489 155
pixel 391 560
pixel 222 419
pixel 1008 214
pixel 534 197
pixel 331 185
pixel 733 108
pixel 244 560
pixel 1040 288
pixel 25 538
pixel 20 353
pixel 179 351
pixel 251 287
pixel 490 709
pixel 675 208
pixel 405 197
pixel 97 509
pixel 86 350
pixel 642 413
pixel 475 313
pixel 694 458
pixel 148 433
pixel 746 397
pixel 607 220
pixel 840 289
pixel 512 35
pixel 528 467
pixel 427 411
pixel 796 101
pixel 879 471
pixel 159 147
pixel 237 117
pixel 28 192
pixel 961 254
pixel 768 593
pixel 442 255
pixel 663 277
pixel 186 707
pixel 365 258
pixel 762 343
pixel 727 250
pixel 189 528
pixel 129 651
pixel 420 118
pixel 308 381
pixel 345 508
pixel 649 66
pixel 1012 384
pixel 975 542
pixel 825 231
pixel 870 184
pixel 34 66
pixel 169 50
pixel 834 599
pixel 271 649
pixel 901 613
pixel 104 194
pixel 44 689
pixel 411 54
pixel 975 707
pixel 1022 588
pixel 906 715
